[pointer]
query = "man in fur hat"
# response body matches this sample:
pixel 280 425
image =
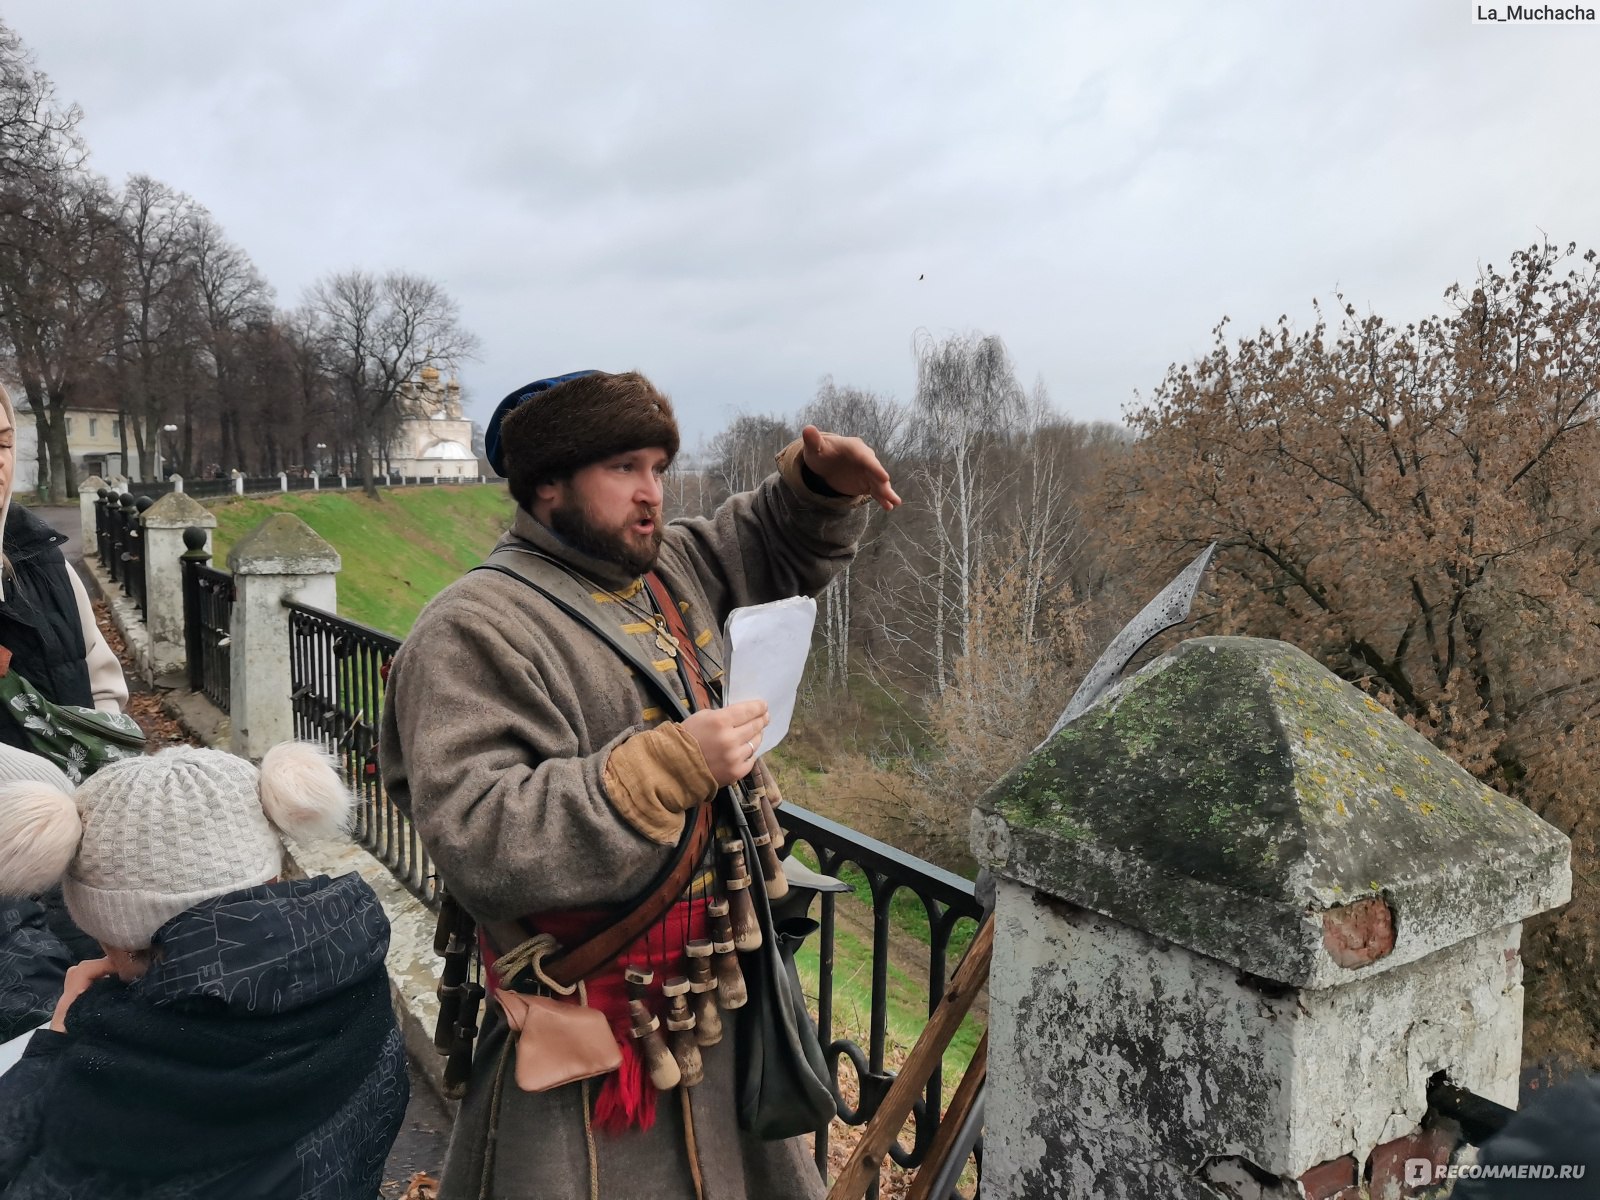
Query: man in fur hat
pixel 551 784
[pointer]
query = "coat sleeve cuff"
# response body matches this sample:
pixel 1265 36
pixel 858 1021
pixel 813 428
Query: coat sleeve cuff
pixel 791 470
pixel 656 776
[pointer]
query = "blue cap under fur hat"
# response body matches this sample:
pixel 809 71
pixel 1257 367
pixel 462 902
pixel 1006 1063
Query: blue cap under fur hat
pixel 491 438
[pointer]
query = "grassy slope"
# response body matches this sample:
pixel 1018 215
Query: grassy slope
pixel 398 552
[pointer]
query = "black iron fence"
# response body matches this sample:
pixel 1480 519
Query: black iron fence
pixel 337 673
pixel 119 543
pixel 207 622
pixel 908 897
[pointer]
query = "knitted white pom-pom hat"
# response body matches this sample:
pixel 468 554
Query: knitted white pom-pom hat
pixel 146 838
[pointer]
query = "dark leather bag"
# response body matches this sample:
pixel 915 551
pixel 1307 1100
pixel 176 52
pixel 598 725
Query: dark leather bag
pixel 782 1074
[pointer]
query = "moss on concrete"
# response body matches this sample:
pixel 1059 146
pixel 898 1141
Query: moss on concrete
pixel 1243 762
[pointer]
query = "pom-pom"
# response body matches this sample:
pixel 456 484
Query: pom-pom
pixel 302 793
pixel 39 833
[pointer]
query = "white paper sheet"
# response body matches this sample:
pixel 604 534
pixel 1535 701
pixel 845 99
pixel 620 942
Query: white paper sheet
pixel 767 647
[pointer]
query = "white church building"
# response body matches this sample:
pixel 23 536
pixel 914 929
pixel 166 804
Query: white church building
pixel 434 440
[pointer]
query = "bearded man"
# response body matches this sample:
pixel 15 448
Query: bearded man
pixel 527 732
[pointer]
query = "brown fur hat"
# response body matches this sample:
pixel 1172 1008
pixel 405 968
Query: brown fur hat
pixel 553 432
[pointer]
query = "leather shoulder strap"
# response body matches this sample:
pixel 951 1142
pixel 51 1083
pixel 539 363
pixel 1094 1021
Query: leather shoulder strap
pixel 556 586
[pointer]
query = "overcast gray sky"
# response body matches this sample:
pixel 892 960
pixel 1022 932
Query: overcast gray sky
pixel 738 199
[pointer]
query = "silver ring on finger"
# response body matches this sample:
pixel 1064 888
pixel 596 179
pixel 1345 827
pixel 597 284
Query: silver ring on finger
pixel 753 748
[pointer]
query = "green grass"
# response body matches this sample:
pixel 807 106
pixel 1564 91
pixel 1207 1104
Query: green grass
pixel 397 552
pixel 907 1002
pixel 907 992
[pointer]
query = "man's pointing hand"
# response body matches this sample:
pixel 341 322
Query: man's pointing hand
pixel 849 466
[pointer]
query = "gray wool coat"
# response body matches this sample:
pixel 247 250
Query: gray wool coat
pixel 499 718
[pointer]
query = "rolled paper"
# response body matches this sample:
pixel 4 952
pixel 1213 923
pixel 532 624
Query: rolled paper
pixel 730 979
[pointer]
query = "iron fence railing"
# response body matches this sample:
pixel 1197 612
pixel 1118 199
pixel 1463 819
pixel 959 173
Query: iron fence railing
pixel 207 622
pixel 934 899
pixel 337 671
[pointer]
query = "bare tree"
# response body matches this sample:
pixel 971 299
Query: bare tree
pixel 52 230
pixel 380 333
pixel 233 299
pixel 60 257
pixel 968 404
pixel 742 454
pixel 879 423
pixel 164 326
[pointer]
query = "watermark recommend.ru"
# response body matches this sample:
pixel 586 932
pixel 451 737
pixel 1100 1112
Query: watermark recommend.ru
pixel 1421 1171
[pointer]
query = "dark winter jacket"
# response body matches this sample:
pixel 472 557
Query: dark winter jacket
pixel 39 620
pixel 258 1057
pixel 1548 1151
pixel 33 964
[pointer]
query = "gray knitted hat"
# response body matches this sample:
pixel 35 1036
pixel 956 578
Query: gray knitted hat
pixel 148 837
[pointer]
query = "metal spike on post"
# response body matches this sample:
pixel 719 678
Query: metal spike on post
pixel 1169 608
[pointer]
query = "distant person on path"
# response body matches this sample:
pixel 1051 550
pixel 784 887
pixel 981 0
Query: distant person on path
pixel 48 624
pixel 237 1041
pixel 551 784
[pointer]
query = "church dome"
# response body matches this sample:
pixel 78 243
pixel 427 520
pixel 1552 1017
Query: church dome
pixel 429 374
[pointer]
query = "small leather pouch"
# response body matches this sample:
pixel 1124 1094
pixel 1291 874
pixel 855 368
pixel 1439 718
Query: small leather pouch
pixel 558 1043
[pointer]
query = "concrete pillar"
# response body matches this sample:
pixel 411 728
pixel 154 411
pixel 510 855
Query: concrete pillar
pixel 1244 915
pixel 344 483
pixel 164 523
pixel 279 559
pixel 316 483
pixel 283 481
pixel 238 483
pixel 88 493
pixel 177 484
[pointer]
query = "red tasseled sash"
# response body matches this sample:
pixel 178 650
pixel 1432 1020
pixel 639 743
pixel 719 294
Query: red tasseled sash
pixel 626 1099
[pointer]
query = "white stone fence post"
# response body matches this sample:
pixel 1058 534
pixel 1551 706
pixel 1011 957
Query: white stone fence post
pixel 164 523
pixel 88 493
pixel 281 559
pixel 1245 919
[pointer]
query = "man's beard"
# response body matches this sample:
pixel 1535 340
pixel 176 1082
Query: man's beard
pixel 613 545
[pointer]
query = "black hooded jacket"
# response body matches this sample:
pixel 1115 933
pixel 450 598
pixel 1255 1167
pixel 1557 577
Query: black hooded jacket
pixel 39 620
pixel 258 1057
pixel 33 964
